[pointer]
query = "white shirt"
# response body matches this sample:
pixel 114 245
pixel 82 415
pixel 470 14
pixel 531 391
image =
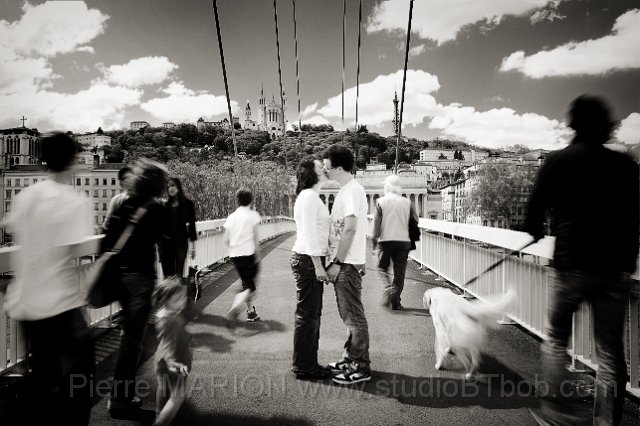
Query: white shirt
pixel 239 229
pixel 351 200
pixel 312 224
pixel 47 217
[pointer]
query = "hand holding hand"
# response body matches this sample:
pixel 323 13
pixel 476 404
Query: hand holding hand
pixel 332 272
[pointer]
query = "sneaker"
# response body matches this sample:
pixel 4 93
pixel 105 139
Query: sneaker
pixel 118 406
pixel 252 315
pixel 339 366
pixel 397 307
pixel 351 377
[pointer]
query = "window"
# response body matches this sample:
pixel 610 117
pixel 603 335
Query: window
pixel 104 193
pixel 113 192
pixel 96 182
pixel 95 206
pixel 8 182
pixel 17 191
pixel 18 182
pixel 26 183
pixel 104 206
pixel 86 181
pixel 8 196
pixel 97 220
pixel 35 180
pixel 104 181
pixel 86 193
pixel 7 207
pixel 78 181
pixel 95 193
pixel 113 181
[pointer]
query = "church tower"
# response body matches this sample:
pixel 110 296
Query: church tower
pixel 262 108
pixel 396 117
pixel 247 112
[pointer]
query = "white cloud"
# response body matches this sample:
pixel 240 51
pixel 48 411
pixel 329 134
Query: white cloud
pixel 376 94
pixel 43 32
pixel 549 13
pixel 500 127
pixel 619 50
pixel 140 71
pixel 415 51
pixel 629 130
pixel 309 109
pixel 316 119
pixel 441 20
pixel 100 105
pixel 186 105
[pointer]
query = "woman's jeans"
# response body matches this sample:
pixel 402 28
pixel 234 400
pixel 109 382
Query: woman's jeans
pixel 308 312
pixel 136 306
pixel 608 295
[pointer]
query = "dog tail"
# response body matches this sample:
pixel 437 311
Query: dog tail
pixel 491 309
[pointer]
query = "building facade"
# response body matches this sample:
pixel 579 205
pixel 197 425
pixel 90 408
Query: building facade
pixel 19 146
pixel 434 154
pixel 271 117
pixel 137 125
pixel 224 123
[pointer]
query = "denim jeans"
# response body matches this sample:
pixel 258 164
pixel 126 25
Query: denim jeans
pixel 398 253
pixel 608 295
pixel 348 288
pixel 308 311
pixel 63 365
pixel 136 306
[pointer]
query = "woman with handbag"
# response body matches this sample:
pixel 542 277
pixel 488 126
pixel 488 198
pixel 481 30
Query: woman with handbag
pixel 183 215
pixel 137 261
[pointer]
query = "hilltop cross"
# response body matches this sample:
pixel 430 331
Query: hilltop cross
pixel 23 120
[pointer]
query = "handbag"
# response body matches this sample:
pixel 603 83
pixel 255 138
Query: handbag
pixel 103 277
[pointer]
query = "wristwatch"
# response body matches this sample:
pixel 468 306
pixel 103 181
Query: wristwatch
pixel 335 261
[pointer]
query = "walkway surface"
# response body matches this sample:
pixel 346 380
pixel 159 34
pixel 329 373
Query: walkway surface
pixel 242 376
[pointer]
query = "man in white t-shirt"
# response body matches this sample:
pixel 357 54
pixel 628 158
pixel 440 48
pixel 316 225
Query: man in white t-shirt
pixel 46 296
pixel 241 235
pixel 347 244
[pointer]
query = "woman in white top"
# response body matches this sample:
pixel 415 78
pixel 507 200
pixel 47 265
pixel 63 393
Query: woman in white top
pixel 307 263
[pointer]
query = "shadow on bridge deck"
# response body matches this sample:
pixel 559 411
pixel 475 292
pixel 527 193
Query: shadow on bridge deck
pixel 242 376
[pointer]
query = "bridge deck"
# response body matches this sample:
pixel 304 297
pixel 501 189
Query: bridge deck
pixel 242 376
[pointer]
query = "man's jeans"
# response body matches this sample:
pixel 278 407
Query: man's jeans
pixel 348 287
pixel 136 306
pixel 608 295
pixel 398 253
pixel 308 312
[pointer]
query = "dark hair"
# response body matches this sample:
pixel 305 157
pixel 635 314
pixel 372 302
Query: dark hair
pixel 58 150
pixel 306 175
pixel 150 179
pixel 590 117
pixel 165 289
pixel 244 197
pixel 180 195
pixel 124 171
pixel 340 156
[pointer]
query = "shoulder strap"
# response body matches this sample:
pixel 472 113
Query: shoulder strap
pixel 133 221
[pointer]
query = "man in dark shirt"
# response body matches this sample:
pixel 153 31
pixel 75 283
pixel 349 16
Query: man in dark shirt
pixel 596 250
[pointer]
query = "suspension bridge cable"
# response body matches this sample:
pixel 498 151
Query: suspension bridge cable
pixel 404 80
pixel 224 75
pixel 358 67
pixel 295 37
pixel 284 146
pixel 344 26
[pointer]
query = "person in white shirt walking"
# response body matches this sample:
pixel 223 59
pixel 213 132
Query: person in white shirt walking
pixel 391 236
pixel 307 263
pixel 241 235
pixel 347 244
pixel 47 296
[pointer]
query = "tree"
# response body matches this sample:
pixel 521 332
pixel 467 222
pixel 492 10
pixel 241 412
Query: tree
pixel 500 190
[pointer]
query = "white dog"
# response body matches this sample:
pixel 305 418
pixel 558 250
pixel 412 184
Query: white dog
pixel 461 325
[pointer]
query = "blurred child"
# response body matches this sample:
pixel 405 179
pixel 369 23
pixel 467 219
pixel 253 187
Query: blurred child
pixel 173 356
pixel 241 235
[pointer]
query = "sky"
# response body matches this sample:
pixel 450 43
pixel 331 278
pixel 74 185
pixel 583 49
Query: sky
pixel 493 73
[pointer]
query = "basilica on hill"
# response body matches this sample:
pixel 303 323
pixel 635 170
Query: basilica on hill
pixel 271 116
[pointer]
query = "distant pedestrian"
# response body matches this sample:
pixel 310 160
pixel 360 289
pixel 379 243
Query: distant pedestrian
pixel 48 217
pixel 137 261
pixel 124 176
pixel 307 263
pixel 347 245
pixel 173 356
pixel 183 215
pixel 391 236
pixel 593 258
pixel 241 235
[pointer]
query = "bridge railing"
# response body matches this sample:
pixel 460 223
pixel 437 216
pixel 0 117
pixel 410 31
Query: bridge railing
pixel 459 252
pixel 210 249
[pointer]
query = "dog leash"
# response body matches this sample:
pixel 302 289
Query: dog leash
pixel 495 265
